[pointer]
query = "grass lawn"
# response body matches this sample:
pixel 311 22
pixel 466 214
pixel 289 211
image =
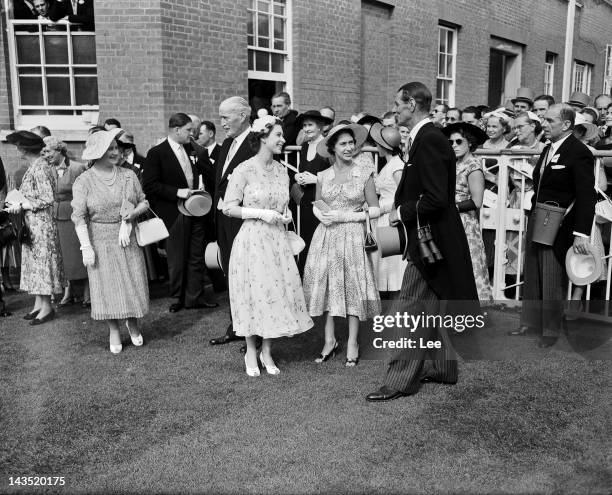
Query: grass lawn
pixel 180 416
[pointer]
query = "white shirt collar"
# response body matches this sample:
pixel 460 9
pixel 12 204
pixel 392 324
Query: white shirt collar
pixel 174 145
pixel 242 136
pixel 415 130
pixel 211 148
pixel 554 147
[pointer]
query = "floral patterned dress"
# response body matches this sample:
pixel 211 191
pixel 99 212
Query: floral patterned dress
pixel 264 283
pixel 42 269
pixel 339 274
pixel 471 225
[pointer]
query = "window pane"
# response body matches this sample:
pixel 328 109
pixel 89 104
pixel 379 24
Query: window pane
pixel 263 42
pixel 56 49
pixel 262 61
pixel 449 66
pixel 279 9
pixel 279 28
pixel 86 71
pixel 29 70
pixel 84 49
pixel 279 44
pixel 277 62
pixel 58 90
pixel 449 41
pixel 441 64
pixel 250 23
pixel 30 89
pixel 263 6
pixel 28 50
pixel 251 60
pixel 263 26
pixel 57 70
pixel 442 42
pixel 86 90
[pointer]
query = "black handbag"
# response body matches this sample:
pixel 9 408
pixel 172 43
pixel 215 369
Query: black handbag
pixel 25 234
pixel 370 241
pixel 8 232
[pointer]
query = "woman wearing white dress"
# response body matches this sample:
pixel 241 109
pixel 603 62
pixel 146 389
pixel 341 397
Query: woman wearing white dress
pixel 390 270
pixel 264 282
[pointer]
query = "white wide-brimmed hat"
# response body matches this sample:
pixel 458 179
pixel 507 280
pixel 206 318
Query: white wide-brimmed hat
pixel 360 133
pixel 584 269
pixel 97 144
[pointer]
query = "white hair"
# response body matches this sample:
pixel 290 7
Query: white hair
pixel 236 104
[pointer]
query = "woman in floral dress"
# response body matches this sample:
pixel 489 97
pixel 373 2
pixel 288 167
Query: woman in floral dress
pixel 264 282
pixel 339 275
pixel 42 272
pixel 469 191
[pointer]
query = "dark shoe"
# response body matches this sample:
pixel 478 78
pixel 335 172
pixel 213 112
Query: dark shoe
pixel 205 305
pixel 520 331
pixel 9 287
pixel 66 302
pixel 324 357
pixel 225 339
pixel 32 315
pixel 175 307
pixel 44 319
pixel 86 304
pixel 383 394
pixel 546 342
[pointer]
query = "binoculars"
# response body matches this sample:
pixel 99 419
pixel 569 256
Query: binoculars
pixel 428 250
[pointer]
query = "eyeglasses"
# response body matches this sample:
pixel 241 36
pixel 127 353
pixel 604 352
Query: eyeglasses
pixel 458 142
pixel 519 127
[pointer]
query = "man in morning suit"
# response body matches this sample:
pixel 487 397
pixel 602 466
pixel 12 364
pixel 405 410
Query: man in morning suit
pixel 206 139
pixel 76 11
pixel 564 175
pixel 171 173
pixel 234 114
pixel 429 179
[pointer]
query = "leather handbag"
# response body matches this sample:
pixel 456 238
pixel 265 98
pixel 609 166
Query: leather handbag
pixel 370 241
pixel 8 232
pixel 25 234
pixel 151 231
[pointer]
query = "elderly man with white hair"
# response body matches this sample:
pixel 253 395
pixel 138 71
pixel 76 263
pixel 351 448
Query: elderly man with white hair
pixel 234 114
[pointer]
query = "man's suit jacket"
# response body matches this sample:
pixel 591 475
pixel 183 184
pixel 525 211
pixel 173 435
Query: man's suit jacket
pixel 290 130
pixel 24 10
pixel 568 177
pixel 430 175
pixel 211 157
pixel 84 14
pixel 163 177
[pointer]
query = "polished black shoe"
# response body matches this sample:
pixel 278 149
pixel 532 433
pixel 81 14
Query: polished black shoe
pixel 519 332
pixel 225 339
pixel 204 305
pixel 44 319
pixel 32 315
pixel 383 394
pixel 175 307
pixel 86 304
pixel 66 302
pixel 546 342
pixel 324 357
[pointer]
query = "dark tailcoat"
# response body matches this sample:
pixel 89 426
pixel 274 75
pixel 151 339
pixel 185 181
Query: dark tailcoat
pixel 84 14
pixel 430 175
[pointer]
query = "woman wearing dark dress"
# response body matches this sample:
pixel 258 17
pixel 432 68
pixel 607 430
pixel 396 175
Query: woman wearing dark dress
pixel 304 183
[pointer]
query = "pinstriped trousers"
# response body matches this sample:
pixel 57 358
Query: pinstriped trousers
pixel 406 370
pixel 542 306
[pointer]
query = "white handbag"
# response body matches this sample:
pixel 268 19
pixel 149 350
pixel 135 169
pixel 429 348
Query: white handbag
pixel 296 243
pixel 603 211
pixel 151 231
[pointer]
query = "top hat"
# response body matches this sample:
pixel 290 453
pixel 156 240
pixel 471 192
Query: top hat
pixel 392 240
pixel 524 94
pixel 584 269
pixel 212 256
pixel 360 133
pixel 578 99
pixel 196 205
pixel 387 137
pixel 312 115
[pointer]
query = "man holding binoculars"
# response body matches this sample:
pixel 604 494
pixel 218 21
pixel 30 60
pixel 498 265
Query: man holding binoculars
pixel 439 266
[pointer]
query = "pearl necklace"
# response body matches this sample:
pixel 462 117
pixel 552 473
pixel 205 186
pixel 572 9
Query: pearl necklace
pixel 109 181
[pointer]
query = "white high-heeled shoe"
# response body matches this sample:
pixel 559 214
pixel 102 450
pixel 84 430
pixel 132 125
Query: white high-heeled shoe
pixel 137 341
pixel 116 348
pixel 250 371
pixel 271 369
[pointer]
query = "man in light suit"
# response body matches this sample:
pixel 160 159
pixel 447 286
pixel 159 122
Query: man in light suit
pixel 564 175
pixel 171 174
pixel 234 114
pixel 428 184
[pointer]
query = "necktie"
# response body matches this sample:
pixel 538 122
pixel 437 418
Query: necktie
pixel 230 155
pixel 186 166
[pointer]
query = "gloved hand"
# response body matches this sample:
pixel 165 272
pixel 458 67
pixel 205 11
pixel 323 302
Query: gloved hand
pixel 287 218
pixel 333 216
pixel 268 216
pixel 319 214
pixel 89 255
pixel 124 234
pixel 386 206
pixel 183 193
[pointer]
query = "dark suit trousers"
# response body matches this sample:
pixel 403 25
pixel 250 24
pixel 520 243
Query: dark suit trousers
pixel 185 249
pixel 543 288
pixel 227 228
pixel 406 370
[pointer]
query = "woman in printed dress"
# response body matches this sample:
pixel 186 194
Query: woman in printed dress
pixel 264 282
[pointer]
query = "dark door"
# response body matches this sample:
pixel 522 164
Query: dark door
pixel 496 78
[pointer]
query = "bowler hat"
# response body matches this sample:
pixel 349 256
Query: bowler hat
pixel 312 115
pixel 583 269
pixel 26 139
pixel 360 133
pixel 579 99
pixel 387 137
pixel 480 135
pixel 524 94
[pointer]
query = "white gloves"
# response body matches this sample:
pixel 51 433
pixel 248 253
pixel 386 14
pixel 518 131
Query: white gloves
pixel 89 256
pixel 268 216
pixel 124 234
pixel 183 193
pixel 338 216
pixel 386 206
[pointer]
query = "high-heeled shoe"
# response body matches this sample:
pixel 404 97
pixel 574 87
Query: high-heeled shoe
pixel 250 371
pixel 116 348
pixel 137 341
pixel 271 369
pixel 324 357
pixel 32 315
pixel 86 303
pixel 349 363
pixel 69 301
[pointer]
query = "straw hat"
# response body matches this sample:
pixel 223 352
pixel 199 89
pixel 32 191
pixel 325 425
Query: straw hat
pixel 387 137
pixel 98 142
pixel 360 133
pixel 584 269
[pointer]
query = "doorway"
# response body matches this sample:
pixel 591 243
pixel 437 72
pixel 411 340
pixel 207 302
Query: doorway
pixel 505 60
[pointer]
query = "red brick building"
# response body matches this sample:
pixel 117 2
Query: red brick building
pixel 157 57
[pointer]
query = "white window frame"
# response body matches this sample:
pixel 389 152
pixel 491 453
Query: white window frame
pixel 88 114
pixel 581 77
pixel 286 77
pixel 452 78
pixel 549 73
pixel 607 83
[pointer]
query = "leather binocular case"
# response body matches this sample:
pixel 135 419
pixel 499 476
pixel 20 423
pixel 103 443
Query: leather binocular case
pixel 428 251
